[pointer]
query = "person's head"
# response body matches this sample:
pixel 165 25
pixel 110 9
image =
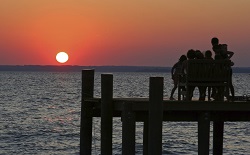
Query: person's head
pixel 198 54
pixel 214 41
pixel 191 54
pixel 183 58
pixel 208 54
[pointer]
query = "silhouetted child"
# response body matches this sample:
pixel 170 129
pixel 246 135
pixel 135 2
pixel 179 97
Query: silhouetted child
pixel 191 54
pixel 199 55
pixel 175 72
pixel 202 89
pixel 208 55
pixel 220 50
pixel 221 53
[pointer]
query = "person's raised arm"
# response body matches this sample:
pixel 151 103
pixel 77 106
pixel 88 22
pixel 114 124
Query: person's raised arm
pixel 230 54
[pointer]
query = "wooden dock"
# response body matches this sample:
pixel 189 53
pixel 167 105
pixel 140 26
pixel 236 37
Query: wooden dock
pixel 152 111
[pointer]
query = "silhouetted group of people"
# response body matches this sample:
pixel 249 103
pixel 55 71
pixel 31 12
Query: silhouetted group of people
pixel 220 53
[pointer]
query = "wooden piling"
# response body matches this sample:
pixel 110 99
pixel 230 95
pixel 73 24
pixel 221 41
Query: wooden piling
pixel 203 133
pixel 128 129
pixel 106 113
pixel 145 137
pixel 155 115
pixel 86 112
pixel 218 129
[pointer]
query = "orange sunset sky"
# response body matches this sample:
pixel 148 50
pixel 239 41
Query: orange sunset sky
pixel 120 32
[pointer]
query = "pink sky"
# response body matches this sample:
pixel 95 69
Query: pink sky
pixel 114 32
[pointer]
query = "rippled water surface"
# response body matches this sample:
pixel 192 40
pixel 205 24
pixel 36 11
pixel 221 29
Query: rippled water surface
pixel 40 114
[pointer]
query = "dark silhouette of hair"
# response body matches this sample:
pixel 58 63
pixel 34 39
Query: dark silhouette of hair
pixel 199 55
pixel 191 54
pixel 208 54
pixel 215 41
pixel 183 58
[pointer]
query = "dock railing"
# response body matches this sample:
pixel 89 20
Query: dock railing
pixel 152 112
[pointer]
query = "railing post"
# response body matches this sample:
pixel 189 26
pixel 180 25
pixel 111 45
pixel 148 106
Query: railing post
pixel 86 112
pixel 106 113
pixel 155 115
pixel 128 129
pixel 203 133
pixel 218 137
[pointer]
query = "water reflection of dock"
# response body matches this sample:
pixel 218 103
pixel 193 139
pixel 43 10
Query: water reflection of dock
pixel 152 111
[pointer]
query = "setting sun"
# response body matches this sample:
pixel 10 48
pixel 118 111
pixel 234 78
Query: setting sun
pixel 62 57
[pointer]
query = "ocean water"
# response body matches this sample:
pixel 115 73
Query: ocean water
pixel 40 114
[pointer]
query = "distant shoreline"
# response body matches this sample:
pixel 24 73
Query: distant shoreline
pixel 69 68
